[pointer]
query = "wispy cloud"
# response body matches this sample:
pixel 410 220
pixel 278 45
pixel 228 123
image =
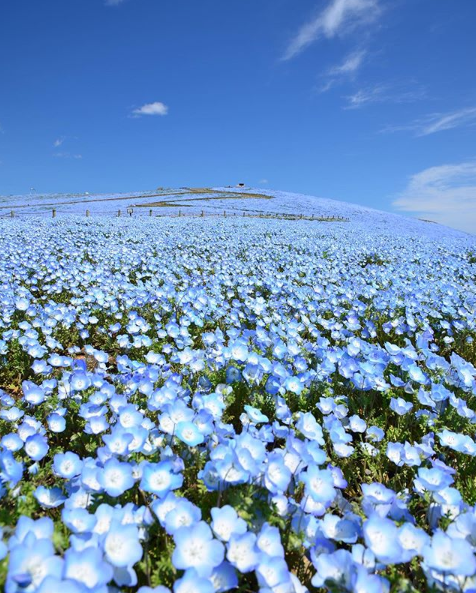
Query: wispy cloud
pixel 59 141
pixel 157 108
pixel 67 155
pixel 438 122
pixel 338 17
pixel 113 2
pixel 263 181
pixel 385 93
pixel 347 69
pixel 445 194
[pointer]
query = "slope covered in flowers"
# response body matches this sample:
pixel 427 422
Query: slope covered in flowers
pixel 203 405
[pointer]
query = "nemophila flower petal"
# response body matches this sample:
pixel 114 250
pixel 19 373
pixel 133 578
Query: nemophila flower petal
pixel 196 548
pixel 363 582
pixel 52 584
pixel 42 529
pixel 191 580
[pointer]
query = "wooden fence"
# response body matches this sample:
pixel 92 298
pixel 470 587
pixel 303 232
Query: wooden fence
pixel 130 212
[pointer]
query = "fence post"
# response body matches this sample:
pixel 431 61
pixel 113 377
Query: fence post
pixel 87 212
pixel 54 213
pixel 12 214
pixel 203 213
pixel 224 213
pixel 150 212
pixel 180 212
pixel 118 213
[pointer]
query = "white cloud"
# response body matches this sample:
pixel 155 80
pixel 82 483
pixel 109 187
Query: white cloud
pixel 445 194
pixel 384 93
pixel 113 2
pixel 263 181
pixel 348 68
pixel 58 142
pixel 438 122
pixel 67 155
pixel 351 64
pixel 157 108
pixel 339 16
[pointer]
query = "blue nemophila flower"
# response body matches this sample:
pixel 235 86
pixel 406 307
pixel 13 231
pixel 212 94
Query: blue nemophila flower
pixel 255 415
pixel 334 569
pixel 433 479
pixel 242 552
pixel 224 578
pixel 183 514
pixel 121 545
pixel 30 563
pixel 33 393
pixel 49 498
pixel 87 567
pixel 413 540
pixel 319 484
pixel 56 423
pixel 196 548
pixel 78 520
pixel 226 522
pixel 447 555
pixel 79 381
pixel 36 447
pixel 273 573
pixel 160 478
pixel 381 537
pixel 189 433
pixel 115 477
pixel 400 406
pixel 277 475
pixel 310 428
pixel 67 465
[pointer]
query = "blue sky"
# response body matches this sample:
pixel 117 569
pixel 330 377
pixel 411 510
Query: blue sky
pixel 366 101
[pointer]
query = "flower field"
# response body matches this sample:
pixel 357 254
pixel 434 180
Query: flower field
pixel 253 405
